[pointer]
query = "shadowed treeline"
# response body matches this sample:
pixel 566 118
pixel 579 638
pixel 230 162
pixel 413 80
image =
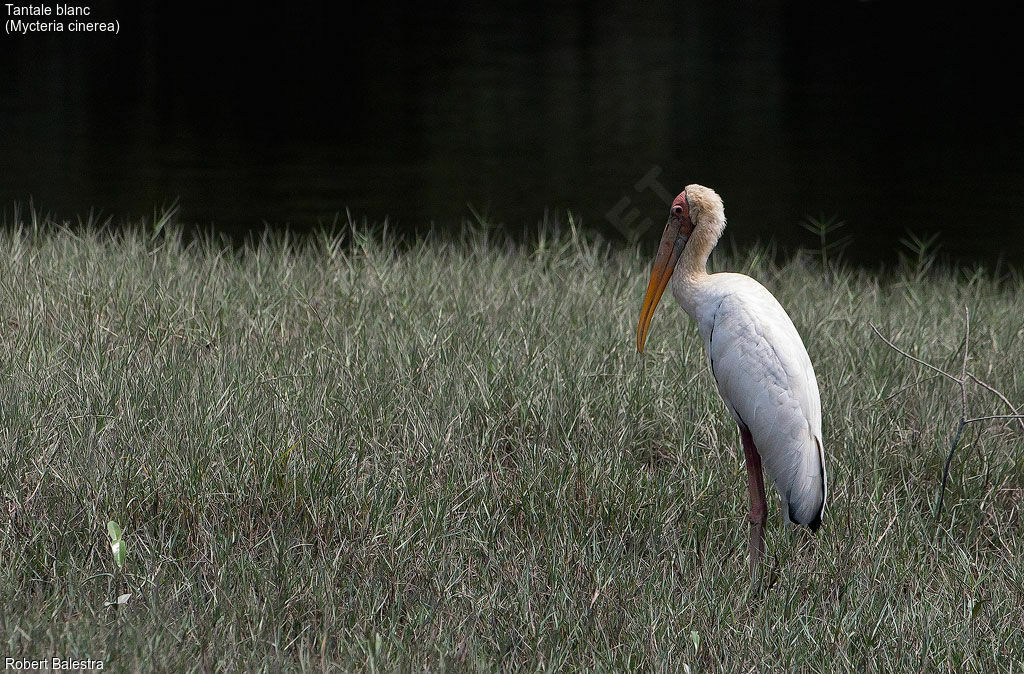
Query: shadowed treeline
pixel 858 110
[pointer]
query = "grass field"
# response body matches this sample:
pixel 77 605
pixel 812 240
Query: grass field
pixel 335 456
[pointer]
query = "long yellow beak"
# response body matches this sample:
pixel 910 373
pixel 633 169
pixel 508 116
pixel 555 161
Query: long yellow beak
pixel 672 243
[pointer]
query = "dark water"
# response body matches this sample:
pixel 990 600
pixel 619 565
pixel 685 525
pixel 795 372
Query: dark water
pixel 885 116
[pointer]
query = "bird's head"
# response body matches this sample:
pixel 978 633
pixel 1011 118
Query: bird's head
pixel 697 213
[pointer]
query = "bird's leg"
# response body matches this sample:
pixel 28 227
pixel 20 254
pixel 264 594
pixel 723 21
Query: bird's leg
pixel 758 505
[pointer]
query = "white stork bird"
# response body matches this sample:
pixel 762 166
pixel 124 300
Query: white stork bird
pixel 759 362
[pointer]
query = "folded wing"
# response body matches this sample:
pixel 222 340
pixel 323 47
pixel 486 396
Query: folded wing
pixel 765 377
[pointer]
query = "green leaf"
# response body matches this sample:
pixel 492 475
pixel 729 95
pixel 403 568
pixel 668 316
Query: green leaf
pixel 978 605
pixel 117 546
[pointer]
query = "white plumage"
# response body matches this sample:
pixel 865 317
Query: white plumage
pixel 759 362
pixel 767 382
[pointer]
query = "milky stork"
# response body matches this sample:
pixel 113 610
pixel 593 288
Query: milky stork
pixel 759 362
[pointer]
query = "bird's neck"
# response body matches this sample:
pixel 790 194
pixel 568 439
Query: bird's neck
pixel 692 270
pixel 693 263
pixel 694 260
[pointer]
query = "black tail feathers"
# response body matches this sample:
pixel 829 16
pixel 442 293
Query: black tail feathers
pixel 814 524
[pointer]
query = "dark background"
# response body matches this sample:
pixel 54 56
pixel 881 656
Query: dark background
pixel 887 116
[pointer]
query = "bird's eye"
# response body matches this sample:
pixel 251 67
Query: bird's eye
pixel 677 210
